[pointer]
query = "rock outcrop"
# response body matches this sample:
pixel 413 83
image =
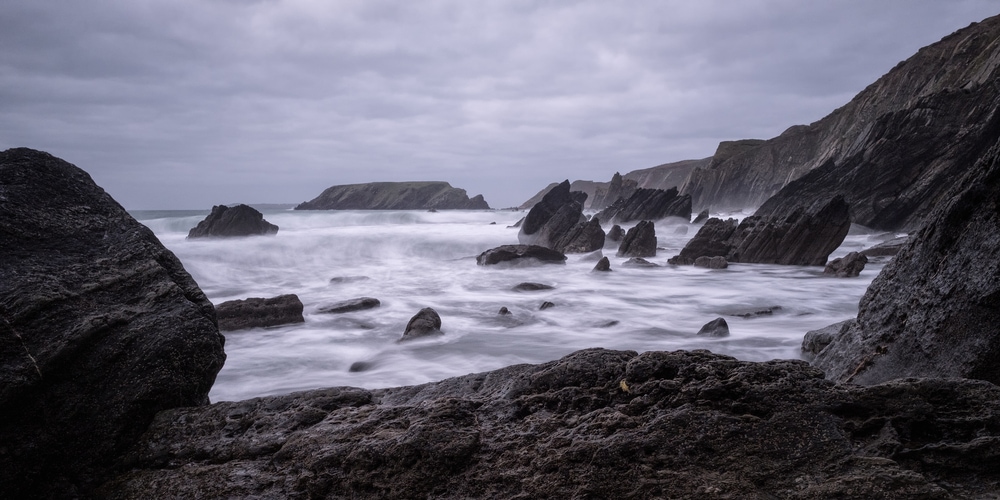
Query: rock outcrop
pixel 257 312
pixel 804 237
pixel 395 196
pixel 426 323
pixel 618 188
pixel 100 328
pixel 933 311
pixel 557 222
pixel 520 254
pixel 239 220
pixel 639 241
pixel 597 424
pixel 892 152
pixel 648 204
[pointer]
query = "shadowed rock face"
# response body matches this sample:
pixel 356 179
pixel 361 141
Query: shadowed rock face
pixel 241 220
pixel 100 328
pixel 394 196
pixel 648 204
pixel 639 241
pixel 597 423
pixel 557 222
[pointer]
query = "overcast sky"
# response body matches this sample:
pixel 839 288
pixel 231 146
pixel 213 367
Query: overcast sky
pixel 190 103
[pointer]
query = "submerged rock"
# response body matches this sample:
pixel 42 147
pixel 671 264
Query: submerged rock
pixel 531 287
pixel 518 254
pixel 425 323
pixel 239 220
pixel 638 262
pixel 256 312
pixel 545 305
pixel 346 306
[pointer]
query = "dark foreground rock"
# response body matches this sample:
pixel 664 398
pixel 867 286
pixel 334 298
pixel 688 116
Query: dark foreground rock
pixel 648 204
pixel 804 237
pixel 639 241
pixel 595 424
pixel 351 305
pixel 395 196
pixel 256 312
pixel 514 254
pixel 100 328
pixel 557 222
pixel 240 220
pixel 427 322
pixel 934 310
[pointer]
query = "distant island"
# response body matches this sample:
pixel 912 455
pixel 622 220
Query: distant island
pixel 426 195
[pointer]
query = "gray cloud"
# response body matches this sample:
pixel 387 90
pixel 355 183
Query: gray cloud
pixel 190 103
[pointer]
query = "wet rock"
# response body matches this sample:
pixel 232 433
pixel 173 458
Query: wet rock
pixel 424 195
pixel 701 217
pixel 815 341
pixel 582 238
pixel 557 222
pixel 639 241
pixel 715 328
pixel 616 233
pixel 546 305
pixel 531 287
pixel 361 366
pixel 100 328
pixel 755 312
pixel 503 311
pixel 258 312
pixel 638 262
pixel 425 323
pixel 339 280
pixel 514 254
pixel 648 204
pixel 848 266
pixel 716 262
pixel 346 306
pixel 886 248
pixel 603 265
pixel 240 220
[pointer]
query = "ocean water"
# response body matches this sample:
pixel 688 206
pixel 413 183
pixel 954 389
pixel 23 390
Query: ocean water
pixel 413 259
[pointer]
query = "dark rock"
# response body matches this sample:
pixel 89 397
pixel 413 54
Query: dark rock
pixel 598 424
pixel 648 204
pixel 608 324
pixel 545 305
pixel 886 248
pixel 603 265
pixel 337 280
pixel 259 312
pixel 425 323
pixel 395 196
pixel 815 341
pixel 361 366
pixel 639 241
pixel 519 254
pixel 715 328
pixel 755 312
pixel 100 328
pixel 557 222
pixel 933 311
pixel 503 311
pixel 531 287
pixel 618 188
pixel 558 197
pixel 346 306
pixel 804 237
pixel 582 238
pixel 588 188
pixel 716 262
pixel 638 262
pixel 616 233
pixel 240 220
pixel 848 266
pixel 701 217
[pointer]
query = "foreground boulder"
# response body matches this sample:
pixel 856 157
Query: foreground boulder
pixel 240 220
pixel 648 204
pixel 258 312
pixel 933 311
pixel 515 254
pixel 595 424
pixel 395 196
pixel 100 328
pixel 557 222
pixel 804 237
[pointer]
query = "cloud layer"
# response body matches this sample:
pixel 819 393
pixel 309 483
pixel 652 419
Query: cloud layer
pixel 185 104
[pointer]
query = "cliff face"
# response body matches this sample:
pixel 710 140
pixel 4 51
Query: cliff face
pixel 892 151
pixel 395 196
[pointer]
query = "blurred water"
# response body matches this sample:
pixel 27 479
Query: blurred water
pixel 411 259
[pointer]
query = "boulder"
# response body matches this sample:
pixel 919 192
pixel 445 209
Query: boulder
pixel 100 328
pixel 256 312
pixel 425 323
pixel 933 311
pixel 848 266
pixel 518 254
pixel 804 237
pixel 557 222
pixel 346 306
pixel 716 262
pixel 815 341
pixel 603 265
pixel 595 424
pixel 701 217
pixel 239 220
pixel 503 311
pixel 715 328
pixel 427 195
pixel 616 233
pixel 638 262
pixel 531 287
pixel 639 241
pixel 648 204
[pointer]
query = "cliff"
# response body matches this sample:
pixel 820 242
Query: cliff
pixel 395 196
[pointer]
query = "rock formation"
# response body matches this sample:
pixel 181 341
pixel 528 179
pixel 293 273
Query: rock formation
pixel 100 328
pixel 886 248
pixel 425 323
pixel 352 305
pixel 239 220
pixel 256 312
pixel 395 196
pixel 848 266
pixel 528 286
pixel 616 233
pixel 715 328
pixel 804 237
pixel 639 241
pixel 517 254
pixel 717 262
pixel 933 311
pixel 618 188
pixel 648 204
pixel 557 222
pixel 597 424
pixel 603 265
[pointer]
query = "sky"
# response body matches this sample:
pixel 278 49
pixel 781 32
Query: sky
pixel 185 104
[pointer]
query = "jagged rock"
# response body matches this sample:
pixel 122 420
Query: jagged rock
pixel 258 312
pixel 618 188
pixel 531 287
pixel 240 220
pixel 100 328
pixel 519 254
pixel 603 265
pixel 716 262
pixel 886 248
pixel 701 217
pixel 815 341
pixel 395 196
pixel 639 241
pixel 546 305
pixel 346 306
pixel 848 266
pixel 596 423
pixel 933 311
pixel 557 222
pixel 804 237
pixel 638 262
pixel 583 238
pixel 616 233
pixel 425 323
pixel 715 328
pixel 648 204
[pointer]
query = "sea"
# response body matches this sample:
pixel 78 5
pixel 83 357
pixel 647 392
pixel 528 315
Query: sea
pixel 409 260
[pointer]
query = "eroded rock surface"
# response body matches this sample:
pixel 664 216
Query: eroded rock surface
pixel 258 312
pixel 239 220
pixel 557 222
pixel 648 204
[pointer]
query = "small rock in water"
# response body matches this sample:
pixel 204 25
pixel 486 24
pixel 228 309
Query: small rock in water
pixel 240 220
pixel 848 266
pixel 531 287
pixel 259 312
pixel 358 304
pixel 608 324
pixel 425 323
pixel 545 305
pixel 638 262
pixel 337 280
pixel 752 313
pixel 717 262
pixel 603 265
pixel 503 311
pixel 516 253
pixel 360 366
pixel 715 328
